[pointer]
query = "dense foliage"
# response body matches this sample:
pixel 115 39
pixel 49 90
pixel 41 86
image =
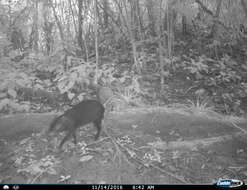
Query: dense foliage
pixel 146 51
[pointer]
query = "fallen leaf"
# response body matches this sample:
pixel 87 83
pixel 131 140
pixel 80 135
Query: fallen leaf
pixel 157 132
pixel 203 166
pixel 52 171
pixel 240 151
pixel 86 158
pixel 172 132
pixel 180 139
pixel 12 93
pixel 134 126
pixel 64 178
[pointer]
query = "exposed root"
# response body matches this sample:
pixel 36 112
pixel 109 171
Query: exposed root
pixel 236 126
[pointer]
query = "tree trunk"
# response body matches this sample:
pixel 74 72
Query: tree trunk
pixel 47 28
pixel 214 30
pixel 130 34
pixel 105 9
pixel 244 5
pixel 96 39
pixel 59 25
pixel 184 25
pixel 161 60
pixel 73 16
pixel 151 20
pixel 80 42
pixel 36 32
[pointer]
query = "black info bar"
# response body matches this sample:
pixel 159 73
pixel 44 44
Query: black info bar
pixel 108 187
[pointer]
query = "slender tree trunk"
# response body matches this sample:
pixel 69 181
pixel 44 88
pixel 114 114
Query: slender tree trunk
pixel 170 31
pixel 161 60
pixel 216 16
pixel 131 36
pixel 151 20
pixel 96 39
pixel 139 19
pixel 105 9
pixel 59 25
pixel 80 43
pixel 184 25
pixel 36 32
pixel 9 14
pixel 244 5
pixel 47 28
pixel 73 16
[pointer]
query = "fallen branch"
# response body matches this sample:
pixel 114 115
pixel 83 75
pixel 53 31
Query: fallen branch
pixel 137 159
pixel 114 142
pixel 236 126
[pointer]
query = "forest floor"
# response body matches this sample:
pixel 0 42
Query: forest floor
pixel 140 145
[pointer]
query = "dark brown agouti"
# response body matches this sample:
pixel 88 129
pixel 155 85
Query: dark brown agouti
pixel 87 111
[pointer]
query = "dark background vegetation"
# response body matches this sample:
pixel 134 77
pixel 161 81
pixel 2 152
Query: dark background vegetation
pixel 148 52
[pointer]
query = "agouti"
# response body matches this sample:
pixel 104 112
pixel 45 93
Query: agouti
pixel 87 111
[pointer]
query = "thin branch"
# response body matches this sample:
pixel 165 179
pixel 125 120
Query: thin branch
pixel 57 21
pixel 205 8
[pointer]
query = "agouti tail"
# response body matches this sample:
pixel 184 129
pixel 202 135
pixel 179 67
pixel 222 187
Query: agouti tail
pixel 87 111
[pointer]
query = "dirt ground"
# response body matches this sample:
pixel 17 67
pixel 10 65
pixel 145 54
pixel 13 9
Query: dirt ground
pixel 144 145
